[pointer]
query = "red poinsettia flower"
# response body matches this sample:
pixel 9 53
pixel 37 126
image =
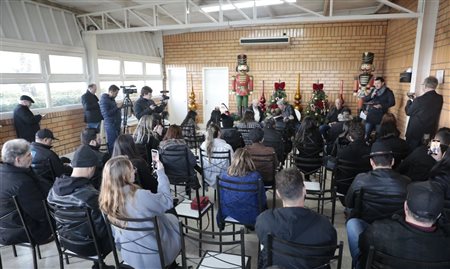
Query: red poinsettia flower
pixel 319 104
pixel 317 87
pixel 280 86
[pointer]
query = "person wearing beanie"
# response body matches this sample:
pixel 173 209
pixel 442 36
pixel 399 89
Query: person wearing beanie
pixel 418 234
pixel 25 122
pixel 77 191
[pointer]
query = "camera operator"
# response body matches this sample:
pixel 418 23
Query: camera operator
pixel 111 115
pixel 145 105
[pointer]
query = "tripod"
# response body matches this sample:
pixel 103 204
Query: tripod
pixel 126 106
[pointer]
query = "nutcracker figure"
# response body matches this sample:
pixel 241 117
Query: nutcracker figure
pixel 242 84
pixel 366 79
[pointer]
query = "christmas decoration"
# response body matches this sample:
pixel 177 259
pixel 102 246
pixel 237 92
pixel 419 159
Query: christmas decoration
pixel 242 84
pixel 318 106
pixel 365 80
pixel 279 93
pixel 298 97
pixel 192 106
pixel 341 92
pixel 262 100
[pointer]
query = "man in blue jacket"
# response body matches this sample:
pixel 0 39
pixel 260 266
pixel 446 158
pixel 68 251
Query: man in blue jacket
pixel 111 115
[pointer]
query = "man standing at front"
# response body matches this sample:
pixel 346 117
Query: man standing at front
pixel 111 115
pixel 92 114
pixel 293 222
pixel 424 111
pixel 25 122
pixel 379 100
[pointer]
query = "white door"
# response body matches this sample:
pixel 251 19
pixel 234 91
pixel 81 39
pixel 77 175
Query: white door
pixel 215 90
pixel 176 84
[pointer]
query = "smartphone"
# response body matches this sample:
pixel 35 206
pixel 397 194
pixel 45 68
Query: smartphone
pixel 435 146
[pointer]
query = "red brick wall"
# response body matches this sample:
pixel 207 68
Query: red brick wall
pixel 325 52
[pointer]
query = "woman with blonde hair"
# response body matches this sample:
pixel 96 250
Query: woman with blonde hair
pixel 147 135
pixel 242 206
pixel 121 198
pixel 213 143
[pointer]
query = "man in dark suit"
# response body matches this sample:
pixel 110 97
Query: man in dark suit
pixel 25 122
pixel 424 111
pixel 92 115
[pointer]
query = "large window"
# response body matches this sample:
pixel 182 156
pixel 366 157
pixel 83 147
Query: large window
pixel 108 67
pixel 67 93
pixel 66 64
pixel 10 93
pixel 133 68
pixel 152 69
pixel 19 62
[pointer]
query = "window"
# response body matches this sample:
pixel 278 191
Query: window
pixel 139 84
pixel 19 62
pixel 66 64
pixel 152 69
pixel 10 94
pixel 108 67
pixel 104 86
pixel 133 68
pixel 156 85
pixel 67 93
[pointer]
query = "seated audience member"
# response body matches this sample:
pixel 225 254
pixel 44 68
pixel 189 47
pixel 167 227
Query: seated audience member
pixel 417 165
pixel 338 130
pixel 440 173
pixel 173 140
pixel 257 111
pixel 46 162
pixel 147 136
pixel 289 117
pixel 90 137
pixel 17 179
pixel 308 140
pixel 215 117
pixel 332 117
pixel 389 135
pixel 272 138
pixel 230 134
pixel 257 148
pixel 381 180
pixel 189 127
pixel 417 235
pixel 124 145
pixel 76 191
pixel 293 222
pixel 357 152
pixel 241 170
pixel 121 198
pixel 213 143
pixel 248 122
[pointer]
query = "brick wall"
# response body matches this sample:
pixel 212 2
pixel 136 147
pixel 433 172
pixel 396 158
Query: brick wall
pixel 66 126
pixel 325 52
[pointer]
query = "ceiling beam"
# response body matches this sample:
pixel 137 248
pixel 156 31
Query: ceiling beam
pixel 395 6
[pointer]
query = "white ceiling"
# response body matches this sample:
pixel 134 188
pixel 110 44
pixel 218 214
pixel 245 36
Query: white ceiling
pixel 109 16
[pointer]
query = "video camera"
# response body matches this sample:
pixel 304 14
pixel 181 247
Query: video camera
pixel 129 89
pixel 164 97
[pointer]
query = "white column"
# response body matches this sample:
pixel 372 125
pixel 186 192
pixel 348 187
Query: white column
pixel 90 45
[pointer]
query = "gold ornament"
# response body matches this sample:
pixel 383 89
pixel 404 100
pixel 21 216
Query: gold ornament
pixel 298 96
pixel 192 106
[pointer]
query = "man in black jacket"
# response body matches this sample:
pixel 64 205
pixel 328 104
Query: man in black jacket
pixel 16 178
pixel 145 105
pixel 293 222
pixel 77 191
pixel 46 163
pixel 418 235
pixel 92 115
pixel 381 180
pixel 424 112
pixel 25 123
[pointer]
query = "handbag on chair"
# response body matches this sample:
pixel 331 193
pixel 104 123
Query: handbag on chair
pixel 201 203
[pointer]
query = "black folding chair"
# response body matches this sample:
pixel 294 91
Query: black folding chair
pixel 214 165
pixel 245 134
pixel 192 138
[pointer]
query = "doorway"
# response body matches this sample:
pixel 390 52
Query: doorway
pixel 215 90
pixel 176 84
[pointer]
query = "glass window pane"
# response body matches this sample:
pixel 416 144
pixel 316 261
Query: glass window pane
pixel 152 69
pixel 156 85
pixel 109 67
pixel 10 94
pixel 104 86
pixel 67 93
pixel 133 68
pixel 19 62
pixel 66 64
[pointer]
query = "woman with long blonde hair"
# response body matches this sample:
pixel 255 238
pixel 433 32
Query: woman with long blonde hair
pixel 121 198
pixel 147 135
pixel 242 206
pixel 213 143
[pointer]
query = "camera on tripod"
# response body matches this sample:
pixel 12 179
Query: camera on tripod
pixel 164 96
pixel 129 89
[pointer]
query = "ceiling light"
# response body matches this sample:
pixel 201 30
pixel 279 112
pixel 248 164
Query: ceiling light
pixel 246 4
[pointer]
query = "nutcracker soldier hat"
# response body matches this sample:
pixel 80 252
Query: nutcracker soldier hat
pixel 242 60
pixel 367 57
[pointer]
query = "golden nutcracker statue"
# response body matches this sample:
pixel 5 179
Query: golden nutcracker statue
pixel 242 84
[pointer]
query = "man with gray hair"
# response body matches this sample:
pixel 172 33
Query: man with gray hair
pixel 424 111
pixel 294 223
pixel 17 179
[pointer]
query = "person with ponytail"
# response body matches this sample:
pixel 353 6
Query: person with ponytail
pixel 121 198
pixel 213 143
